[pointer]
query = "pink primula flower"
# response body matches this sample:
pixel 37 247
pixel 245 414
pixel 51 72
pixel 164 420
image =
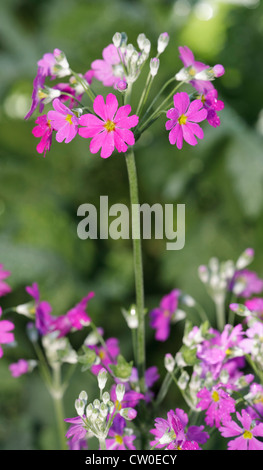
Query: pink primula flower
pixel 161 317
pixel 111 129
pixel 64 121
pixel 217 403
pixel 183 118
pixel 108 70
pixel 43 130
pixel 245 435
pixel 6 336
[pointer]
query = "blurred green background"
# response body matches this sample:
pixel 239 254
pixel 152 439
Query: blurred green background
pixel 220 180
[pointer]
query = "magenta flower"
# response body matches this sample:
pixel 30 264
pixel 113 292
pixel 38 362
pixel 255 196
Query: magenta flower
pixel 160 318
pixel 217 403
pixel 246 434
pixel 4 287
pixel 19 368
pixel 76 433
pixel 170 434
pixel 193 67
pixel 108 70
pixel 74 319
pixel 246 283
pixel 43 130
pixel 255 305
pixel 130 400
pixel 118 438
pixel 111 129
pixel 211 103
pixel 183 119
pixel 48 62
pixel 6 336
pixel 64 121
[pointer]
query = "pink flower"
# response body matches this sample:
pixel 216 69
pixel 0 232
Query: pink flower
pixel 109 69
pixel 64 121
pixel 118 439
pixel 170 433
pixel 160 318
pixel 217 403
pixel 111 129
pixel 48 62
pixel 193 66
pixel 4 287
pixel 245 283
pixel 19 368
pixel 255 305
pixel 247 433
pixel 211 103
pixel 108 354
pixel 6 336
pixel 43 130
pixel 183 118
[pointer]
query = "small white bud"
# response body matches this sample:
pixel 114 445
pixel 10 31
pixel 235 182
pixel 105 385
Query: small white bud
pixel 169 362
pixel 163 41
pixel 120 391
pixel 102 378
pixel 154 66
pixel 140 40
pixel 117 39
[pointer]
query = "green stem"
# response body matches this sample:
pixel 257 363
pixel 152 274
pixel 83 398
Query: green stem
pixel 57 396
pixel 220 313
pixel 102 443
pixel 138 264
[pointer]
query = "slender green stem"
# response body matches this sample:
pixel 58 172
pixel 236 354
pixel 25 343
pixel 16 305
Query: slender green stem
pixel 57 396
pixel 102 443
pixel 85 86
pixel 220 313
pixel 138 264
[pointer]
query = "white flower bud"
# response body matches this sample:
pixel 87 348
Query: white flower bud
pixel 102 378
pixel 140 40
pixel 120 391
pixel 169 362
pixel 117 39
pixel 163 41
pixel 154 66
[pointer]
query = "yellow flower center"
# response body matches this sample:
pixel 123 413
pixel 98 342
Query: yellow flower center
pixel 182 119
pixel 203 99
pixel 215 396
pixel 228 351
pixel 247 435
pixel 118 439
pixel 109 126
pixel 69 118
pixel 166 313
pixel 259 399
pixel 41 94
pixel 192 71
pixel 102 354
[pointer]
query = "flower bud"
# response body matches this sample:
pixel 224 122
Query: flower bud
pixel 122 85
pixel 154 66
pixel 140 40
pixel 163 41
pixel 128 413
pixel 169 362
pixel 245 258
pixel 102 378
pixel 120 392
pixel 80 406
pixel 117 39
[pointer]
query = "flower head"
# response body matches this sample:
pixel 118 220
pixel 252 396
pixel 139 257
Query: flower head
pixel 183 119
pixel 211 103
pixel 161 317
pixel 110 129
pixel 246 283
pixel 6 336
pixel 108 70
pixel 43 130
pixel 64 121
pixel 217 403
pixel 245 434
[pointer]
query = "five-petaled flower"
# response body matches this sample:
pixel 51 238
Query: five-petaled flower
pixel 110 129
pixel 245 435
pixel 64 121
pixel 183 119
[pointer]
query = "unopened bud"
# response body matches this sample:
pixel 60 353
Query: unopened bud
pixel 140 40
pixel 102 378
pixel 117 39
pixel 128 413
pixel 122 85
pixel 120 391
pixel 163 41
pixel 169 362
pixel 154 66
pixel 80 406
pixel 245 258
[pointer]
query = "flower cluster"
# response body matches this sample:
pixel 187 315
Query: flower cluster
pixel 108 124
